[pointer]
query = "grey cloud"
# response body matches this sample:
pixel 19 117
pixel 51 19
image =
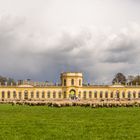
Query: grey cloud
pixel 124 48
pixel 97 56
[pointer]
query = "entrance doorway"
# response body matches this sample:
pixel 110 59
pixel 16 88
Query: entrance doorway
pixel 72 94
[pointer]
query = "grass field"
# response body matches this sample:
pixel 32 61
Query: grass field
pixel 69 123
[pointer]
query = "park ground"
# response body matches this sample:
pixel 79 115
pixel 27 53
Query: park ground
pixel 68 123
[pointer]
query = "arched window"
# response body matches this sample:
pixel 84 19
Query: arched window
pixel 48 94
pixel 54 94
pixel 117 94
pixel 139 94
pixel 32 94
pixel 134 94
pixel 3 94
pixel 26 95
pixel 59 94
pixel 37 94
pixel 43 94
pixel 111 94
pixel 79 95
pixel 129 94
pixel 8 94
pixel 19 94
pixel 123 94
pixel 106 94
pixel 14 94
pixel 90 94
pixel 84 94
pixel 70 96
pixel 101 94
pixel 65 82
pixel 72 82
pixel 95 94
pixel 65 95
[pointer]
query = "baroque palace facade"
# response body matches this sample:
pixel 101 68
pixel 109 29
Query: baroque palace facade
pixel 71 87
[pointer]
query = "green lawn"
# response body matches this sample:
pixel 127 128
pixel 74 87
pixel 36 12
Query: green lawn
pixel 69 123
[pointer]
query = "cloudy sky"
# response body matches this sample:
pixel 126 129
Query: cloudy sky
pixel 39 39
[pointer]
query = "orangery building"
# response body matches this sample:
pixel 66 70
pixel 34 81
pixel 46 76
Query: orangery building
pixel 71 88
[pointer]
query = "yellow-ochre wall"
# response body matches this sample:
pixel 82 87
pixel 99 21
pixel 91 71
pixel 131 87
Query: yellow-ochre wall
pixel 71 85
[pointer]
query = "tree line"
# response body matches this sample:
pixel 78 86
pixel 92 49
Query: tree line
pixel 122 79
pixel 7 81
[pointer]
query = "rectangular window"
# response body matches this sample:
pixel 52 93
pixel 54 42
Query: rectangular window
pixel 65 83
pixel 80 82
pixel 72 82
